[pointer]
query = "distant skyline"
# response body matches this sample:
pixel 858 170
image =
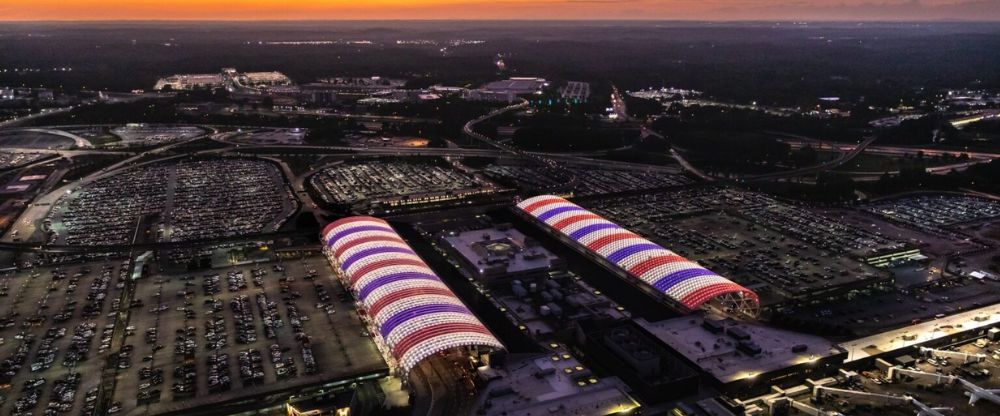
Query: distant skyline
pixel 813 10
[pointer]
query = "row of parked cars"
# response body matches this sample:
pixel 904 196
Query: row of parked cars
pixel 251 366
pixel 269 312
pixel 218 372
pixel 246 332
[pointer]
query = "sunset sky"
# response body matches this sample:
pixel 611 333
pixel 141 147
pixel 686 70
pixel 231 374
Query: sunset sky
pixel 504 9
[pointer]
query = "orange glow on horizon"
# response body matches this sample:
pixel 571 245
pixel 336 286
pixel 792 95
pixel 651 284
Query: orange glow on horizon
pixel 503 9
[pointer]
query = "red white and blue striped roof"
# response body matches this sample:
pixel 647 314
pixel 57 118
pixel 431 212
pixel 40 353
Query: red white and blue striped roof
pixel 415 313
pixel 682 280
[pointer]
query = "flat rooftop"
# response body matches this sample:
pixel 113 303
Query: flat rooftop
pixel 920 333
pixel 501 250
pixel 717 354
pixel 553 384
pixel 590 302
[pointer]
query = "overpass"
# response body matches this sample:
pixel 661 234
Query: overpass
pixel 839 160
pixel 78 141
pixel 975 157
pixel 32 116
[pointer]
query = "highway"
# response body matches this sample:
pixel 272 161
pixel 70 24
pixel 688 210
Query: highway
pixel 975 158
pixel 28 221
pixel 645 132
pixel 831 164
pixel 386 151
pixel 32 116
pixel 306 202
pixel 848 152
pixel 689 167
pixel 66 152
pixel 777 111
pixel 31 217
pixel 898 150
pixel 618 109
pixel 469 127
pixel 78 141
pixel 934 170
pixel 568 178
pixel 103 97
pixel 579 158
pixel 349 116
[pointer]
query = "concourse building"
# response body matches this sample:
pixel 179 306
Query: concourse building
pixel 411 313
pixel 680 283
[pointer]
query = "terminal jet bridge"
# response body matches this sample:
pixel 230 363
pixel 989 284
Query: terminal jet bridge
pixel 965 357
pixel 812 411
pixel 879 400
pixel 974 392
pixel 781 399
pixel 804 408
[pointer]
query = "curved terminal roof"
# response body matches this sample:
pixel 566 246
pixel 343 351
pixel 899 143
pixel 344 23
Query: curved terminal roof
pixel 682 280
pixel 415 313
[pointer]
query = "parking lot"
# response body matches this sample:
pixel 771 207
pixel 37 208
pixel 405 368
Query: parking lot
pixel 933 212
pixel 931 243
pixel 749 253
pixel 191 200
pixel 825 232
pixel 746 237
pixel 10 159
pixel 55 321
pixel 271 137
pixel 225 198
pixel 392 183
pixel 190 339
pixel 146 135
pixel 661 206
pixel 589 181
pixel 240 331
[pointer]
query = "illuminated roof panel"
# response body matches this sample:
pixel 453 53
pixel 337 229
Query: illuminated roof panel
pixel 415 313
pixel 681 280
pixel 373 266
pixel 412 356
pixel 438 337
pixel 367 237
pixel 404 294
pixel 655 266
pixel 585 229
pixel 378 258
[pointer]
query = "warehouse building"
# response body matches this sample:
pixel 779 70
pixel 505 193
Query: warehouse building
pixel 412 314
pixel 678 282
